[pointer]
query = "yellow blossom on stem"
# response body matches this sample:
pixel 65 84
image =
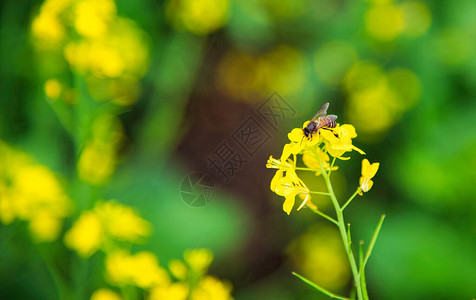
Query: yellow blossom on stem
pixel 339 140
pixel 313 163
pixel 141 269
pixel 107 221
pixel 368 172
pixel 105 294
pixel 174 291
pixel 210 288
pixel 288 186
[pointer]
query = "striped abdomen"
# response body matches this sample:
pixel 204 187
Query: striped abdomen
pixel 327 122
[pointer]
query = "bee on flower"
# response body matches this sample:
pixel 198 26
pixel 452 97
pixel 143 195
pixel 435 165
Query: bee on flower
pixel 316 142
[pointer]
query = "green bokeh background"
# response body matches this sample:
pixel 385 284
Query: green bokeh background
pixel 426 184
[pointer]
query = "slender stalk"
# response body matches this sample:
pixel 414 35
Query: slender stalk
pixel 343 232
pixel 321 289
pixel 324 215
pixel 362 271
pixel 374 239
pixel 332 165
pixel 319 193
pixel 350 199
pixel 308 169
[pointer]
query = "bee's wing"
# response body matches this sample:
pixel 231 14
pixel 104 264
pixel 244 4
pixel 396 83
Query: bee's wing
pixel 322 111
pixel 332 117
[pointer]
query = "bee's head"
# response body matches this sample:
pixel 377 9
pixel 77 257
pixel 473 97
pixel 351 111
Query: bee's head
pixel 306 132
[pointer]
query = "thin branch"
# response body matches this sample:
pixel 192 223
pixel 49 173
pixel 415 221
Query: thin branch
pixel 321 289
pixel 332 165
pixel 350 199
pixel 319 193
pixel 374 239
pixel 324 215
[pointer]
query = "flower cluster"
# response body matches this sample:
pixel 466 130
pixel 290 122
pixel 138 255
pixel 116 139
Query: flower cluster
pixel 102 226
pixel 111 52
pixel 192 282
pixel 316 154
pixel 183 280
pixel 31 192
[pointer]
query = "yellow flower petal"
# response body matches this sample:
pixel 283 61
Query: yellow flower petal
pixel 296 135
pixel 276 179
pixel 289 202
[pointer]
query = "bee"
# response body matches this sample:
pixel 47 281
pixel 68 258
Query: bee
pixel 320 120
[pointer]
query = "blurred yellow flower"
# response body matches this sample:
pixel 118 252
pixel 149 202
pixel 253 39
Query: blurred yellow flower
pixel 384 22
pixel 368 172
pixel 86 235
pixel 121 221
pixel 250 77
pixel 141 269
pixel 96 43
pixel 105 222
pixel 92 17
pixel 31 192
pixel 178 269
pixel 198 259
pixel 210 288
pixel 200 17
pixel 174 291
pixel 48 28
pixel 97 161
pixel 105 294
pixel 378 98
pixel 52 89
pixel 320 256
pixel 417 17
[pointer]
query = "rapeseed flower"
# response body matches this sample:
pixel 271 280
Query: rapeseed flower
pixel 31 192
pixel 105 294
pixel 108 221
pixel 368 172
pixel 174 291
pixel 141 269
pixel 289 185
pixel 210 288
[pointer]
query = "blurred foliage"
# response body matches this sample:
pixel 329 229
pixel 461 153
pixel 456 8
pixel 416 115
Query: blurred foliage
pixel 97 96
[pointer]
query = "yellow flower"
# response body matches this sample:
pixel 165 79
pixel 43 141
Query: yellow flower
pixel 368 172
pixel 312 162
pixel 339 140
pixel 178 269
pixel 289 186
pixel 210 288
pixel 105 294
pixel 86 235
pixel 33 193
pixel 141 269
pixel 298 142
pixel 200 17
pixel 273 163
pixel 52 88
pixel 198 259
pixel 122 222
pixel 105 222
pixel 174 291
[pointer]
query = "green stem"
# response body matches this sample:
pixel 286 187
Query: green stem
pixel 350 199
pixel 343 232
pixel 321 289
pixel 319 193
pixel 324 215
pixel 374 239
pixel 308 169
pixel 332 165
